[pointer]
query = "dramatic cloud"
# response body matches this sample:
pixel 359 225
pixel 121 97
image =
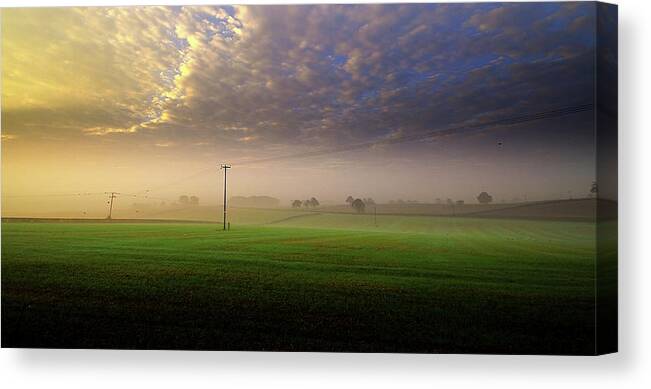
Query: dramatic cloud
pixel 290 74
pixel 253 82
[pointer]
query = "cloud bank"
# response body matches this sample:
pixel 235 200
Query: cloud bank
pixel 289 75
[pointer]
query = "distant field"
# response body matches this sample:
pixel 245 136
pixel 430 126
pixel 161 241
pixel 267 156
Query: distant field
pixel 187 213
pixel 572 210
pixel 411 284
pixel 567 210
pixel 575 210
pixel 212 213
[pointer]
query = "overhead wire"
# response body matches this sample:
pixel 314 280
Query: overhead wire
pixel 431 134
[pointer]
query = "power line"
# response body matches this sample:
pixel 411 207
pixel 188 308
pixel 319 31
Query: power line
pixel 114 195
pixel 55 195
pixel 86 194
pixel 180 180
pixel 479 126
pixel 146 196
pixel 433 133
pixel 512 120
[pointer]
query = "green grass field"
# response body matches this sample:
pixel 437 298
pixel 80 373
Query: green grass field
pixel 411 284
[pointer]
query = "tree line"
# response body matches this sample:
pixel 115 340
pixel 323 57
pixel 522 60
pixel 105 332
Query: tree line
pixel 359 205
pixel 311 203
pixel 188 200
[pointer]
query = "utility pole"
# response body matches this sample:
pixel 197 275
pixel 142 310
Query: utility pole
pixel 225 167
pixel 112 195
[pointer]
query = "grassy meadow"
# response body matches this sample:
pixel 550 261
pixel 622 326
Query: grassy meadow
pixel 300 281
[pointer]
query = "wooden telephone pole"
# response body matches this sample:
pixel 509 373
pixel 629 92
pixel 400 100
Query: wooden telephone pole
pixel 225 167
pixel 112 195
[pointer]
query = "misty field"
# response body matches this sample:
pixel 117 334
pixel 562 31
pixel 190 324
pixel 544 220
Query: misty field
pixel 409 284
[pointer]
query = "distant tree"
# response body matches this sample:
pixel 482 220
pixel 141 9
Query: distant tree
pixel 594 189
pixel 369 201
pixel 359 205
pixel 314 202
pixel 438 201
pixel 194 200
pixel 306 203
pixel 400 201
pixel 184 200
pixel 297 203
pixel 484 198
pixel 449 202
pixel 460 202
pixel 350 200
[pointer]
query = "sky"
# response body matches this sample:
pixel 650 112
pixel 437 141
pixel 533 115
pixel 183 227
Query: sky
pixel 150 100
